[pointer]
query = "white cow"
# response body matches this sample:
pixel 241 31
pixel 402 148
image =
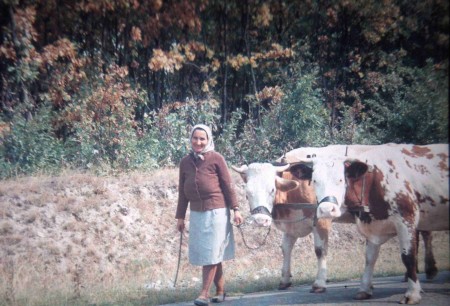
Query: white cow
pixel 391 190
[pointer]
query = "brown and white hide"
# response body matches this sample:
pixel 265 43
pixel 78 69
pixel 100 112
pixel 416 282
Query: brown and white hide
pixel 392 190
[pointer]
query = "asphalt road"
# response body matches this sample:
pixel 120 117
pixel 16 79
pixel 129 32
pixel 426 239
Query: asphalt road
pixel 388 291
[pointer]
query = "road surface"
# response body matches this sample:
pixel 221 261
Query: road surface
pixel 388 291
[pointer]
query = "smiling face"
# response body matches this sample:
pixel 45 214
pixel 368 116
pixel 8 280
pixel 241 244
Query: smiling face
pixel 199 140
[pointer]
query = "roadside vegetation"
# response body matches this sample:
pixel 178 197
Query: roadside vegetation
pixel 115 86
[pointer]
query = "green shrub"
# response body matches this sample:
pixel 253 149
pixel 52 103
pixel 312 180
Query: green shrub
pixel 227 140
pixel 299 119
pixel 167 131
pixel 411 107
pixel 31 146
pixel 303 116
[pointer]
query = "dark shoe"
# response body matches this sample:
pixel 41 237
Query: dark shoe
pixel 219 298
pixel 201 302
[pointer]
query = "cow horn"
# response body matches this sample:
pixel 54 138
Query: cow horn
pixel 282 168
pixel 242 169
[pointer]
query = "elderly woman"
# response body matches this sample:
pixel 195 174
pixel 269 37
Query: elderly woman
pixel 205 183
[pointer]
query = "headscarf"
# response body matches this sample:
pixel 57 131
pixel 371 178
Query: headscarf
pixel 209 146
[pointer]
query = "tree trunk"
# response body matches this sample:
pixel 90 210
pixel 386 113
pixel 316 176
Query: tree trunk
pixel 225 70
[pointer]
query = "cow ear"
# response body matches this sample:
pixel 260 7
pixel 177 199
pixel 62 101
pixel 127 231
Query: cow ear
pixel 284 184
pixel 242 170
pixel 355 168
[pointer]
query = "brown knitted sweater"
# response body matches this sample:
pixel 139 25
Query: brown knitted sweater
pixel 205 184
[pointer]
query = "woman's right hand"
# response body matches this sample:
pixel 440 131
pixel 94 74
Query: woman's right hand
pixel 180 225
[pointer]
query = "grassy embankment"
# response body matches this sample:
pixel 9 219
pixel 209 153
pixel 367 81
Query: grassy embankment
pixel 83 239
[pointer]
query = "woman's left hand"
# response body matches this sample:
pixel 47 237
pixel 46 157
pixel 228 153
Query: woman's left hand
pixel 238 218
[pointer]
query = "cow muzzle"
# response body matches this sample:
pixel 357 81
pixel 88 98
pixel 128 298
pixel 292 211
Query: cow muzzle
pixel 328 208
pixel 261 216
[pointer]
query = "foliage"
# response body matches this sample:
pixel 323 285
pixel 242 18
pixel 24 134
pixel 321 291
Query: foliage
pixel 303 116
pixel 30 146
pixel 228 138
pixel 123 81
pixel 171 126
pixel 102 120
pixel 412 107
pixel 292 119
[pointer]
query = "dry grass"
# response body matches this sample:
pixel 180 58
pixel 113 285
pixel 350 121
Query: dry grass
pixel 82 239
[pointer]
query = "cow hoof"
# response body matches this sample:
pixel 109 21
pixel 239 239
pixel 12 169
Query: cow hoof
pixel 409 301
pixel 362 296
pixel 405 278
pixel 431 273
pixel 318 290
pixel 284 286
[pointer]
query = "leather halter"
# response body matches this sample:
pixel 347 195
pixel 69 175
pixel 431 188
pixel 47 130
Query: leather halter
pixel 298 205
pixel 360 206
pixel 261 210
pixel 331 199
pixel 361 197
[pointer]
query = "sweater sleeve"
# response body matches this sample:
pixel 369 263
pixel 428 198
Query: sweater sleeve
pixel 226 183
pixel 182 199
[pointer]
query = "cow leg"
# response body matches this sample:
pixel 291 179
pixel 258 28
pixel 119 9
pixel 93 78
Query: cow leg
pixel 321 233
pixel 430 263
pixel 366 289
pixel 407 238
pixel 287 245
pixel 417 256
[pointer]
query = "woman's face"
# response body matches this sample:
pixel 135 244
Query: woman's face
pixel 199 140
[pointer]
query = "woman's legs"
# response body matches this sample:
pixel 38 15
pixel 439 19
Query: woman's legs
pixel 212 273
pixel 208 273
pixel 219 280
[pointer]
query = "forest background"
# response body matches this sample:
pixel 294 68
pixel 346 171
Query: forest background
pixel 117 84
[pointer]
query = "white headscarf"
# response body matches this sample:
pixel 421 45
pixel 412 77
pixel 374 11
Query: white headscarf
pixel 209 146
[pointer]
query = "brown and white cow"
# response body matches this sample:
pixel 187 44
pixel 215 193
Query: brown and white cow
pixel 301 172
pixel 262 185
pixel 391 190
pixel 264 188
pixel 297 221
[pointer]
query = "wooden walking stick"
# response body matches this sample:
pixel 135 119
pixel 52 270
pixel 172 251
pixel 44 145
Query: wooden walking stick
pixel 179 259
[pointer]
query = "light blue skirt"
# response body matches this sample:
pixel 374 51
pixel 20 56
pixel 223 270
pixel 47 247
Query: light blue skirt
pixel 211 238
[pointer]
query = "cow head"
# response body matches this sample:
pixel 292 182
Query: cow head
pixel 329 183
pixel 261 183
pixel 330 177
